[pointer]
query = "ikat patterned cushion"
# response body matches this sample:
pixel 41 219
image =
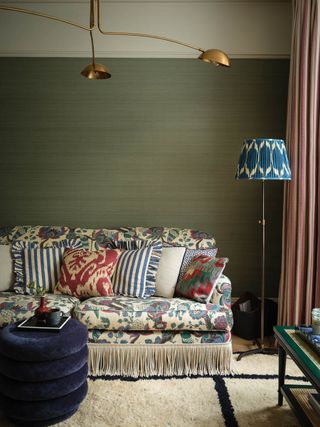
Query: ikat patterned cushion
pixel 136 269
pixel 199 281
pixel 37 269
pixel 190 254
pixel 87 273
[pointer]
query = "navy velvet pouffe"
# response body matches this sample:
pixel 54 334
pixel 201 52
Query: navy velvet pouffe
pixel 43 374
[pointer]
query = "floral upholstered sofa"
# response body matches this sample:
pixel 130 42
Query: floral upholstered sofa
pixel 133 336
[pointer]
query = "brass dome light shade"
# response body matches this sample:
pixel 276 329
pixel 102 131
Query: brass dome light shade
pixel 215 56
pixel 95 71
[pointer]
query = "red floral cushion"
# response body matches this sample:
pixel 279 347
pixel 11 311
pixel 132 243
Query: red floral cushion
pixel 200 279
pixel 87 273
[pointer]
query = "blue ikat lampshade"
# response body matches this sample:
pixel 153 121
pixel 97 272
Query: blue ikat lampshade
pixel 263 158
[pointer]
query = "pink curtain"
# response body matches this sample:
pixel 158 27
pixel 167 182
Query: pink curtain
pixel 300 276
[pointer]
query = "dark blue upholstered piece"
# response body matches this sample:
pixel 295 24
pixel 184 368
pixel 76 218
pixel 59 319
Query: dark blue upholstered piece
pixel 45 390
pixel 41 345
pixel 43 371
pixel 45 423
pixel 44 409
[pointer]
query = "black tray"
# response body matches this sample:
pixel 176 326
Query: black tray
pixel 33 324
pixel 305 332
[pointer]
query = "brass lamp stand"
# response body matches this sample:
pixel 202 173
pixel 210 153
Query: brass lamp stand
pixel 261 348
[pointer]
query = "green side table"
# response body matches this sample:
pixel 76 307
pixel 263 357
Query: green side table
pixel 290 343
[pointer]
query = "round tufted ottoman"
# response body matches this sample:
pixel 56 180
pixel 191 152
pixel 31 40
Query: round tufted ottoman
pixel 43 374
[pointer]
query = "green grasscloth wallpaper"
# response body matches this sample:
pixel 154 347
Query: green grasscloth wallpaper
pixel 157 144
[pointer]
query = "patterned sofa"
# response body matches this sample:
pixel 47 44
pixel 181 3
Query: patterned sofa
pixel 131 336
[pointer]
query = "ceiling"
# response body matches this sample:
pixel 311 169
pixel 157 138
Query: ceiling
pixel 243 29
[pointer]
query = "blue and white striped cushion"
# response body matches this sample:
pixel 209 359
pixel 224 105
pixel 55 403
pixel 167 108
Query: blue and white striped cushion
pixel 136 269
pixel 35 264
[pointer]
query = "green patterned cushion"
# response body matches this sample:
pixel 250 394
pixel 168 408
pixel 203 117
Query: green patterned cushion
pixel 200 279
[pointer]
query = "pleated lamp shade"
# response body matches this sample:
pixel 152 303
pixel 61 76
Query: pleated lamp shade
pixel 263 158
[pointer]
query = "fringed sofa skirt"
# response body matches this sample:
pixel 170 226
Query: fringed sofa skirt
pixel 159 353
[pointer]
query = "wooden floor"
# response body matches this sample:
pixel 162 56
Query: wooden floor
pixel 240 344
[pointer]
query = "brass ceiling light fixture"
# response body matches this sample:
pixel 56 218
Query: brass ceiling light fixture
pixel 96 71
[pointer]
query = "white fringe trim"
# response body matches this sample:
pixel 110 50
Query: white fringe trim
pixel 160 360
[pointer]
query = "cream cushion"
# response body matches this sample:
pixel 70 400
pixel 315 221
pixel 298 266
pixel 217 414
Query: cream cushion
pixel 168 271
pixel 6 274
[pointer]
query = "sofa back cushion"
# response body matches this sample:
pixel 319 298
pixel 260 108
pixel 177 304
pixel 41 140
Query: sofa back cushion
pixel 94 239
pixel 101 237
pixel 6 274
pixel 44 236
pixel 6 234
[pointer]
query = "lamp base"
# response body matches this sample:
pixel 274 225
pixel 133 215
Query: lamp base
pixel 260 350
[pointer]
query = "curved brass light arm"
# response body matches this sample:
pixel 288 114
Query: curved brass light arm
pixel 53 18
pixel 149 36
pixel 98 71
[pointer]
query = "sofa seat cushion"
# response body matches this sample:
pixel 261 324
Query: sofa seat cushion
pixel 155 313
pixel 161 338
pixel 15 307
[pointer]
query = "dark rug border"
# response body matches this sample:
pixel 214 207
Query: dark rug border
pixel 161 377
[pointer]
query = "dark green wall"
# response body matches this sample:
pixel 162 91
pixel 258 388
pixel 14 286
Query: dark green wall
pixel 157 144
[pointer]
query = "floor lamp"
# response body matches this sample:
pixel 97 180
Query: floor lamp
pixel 265 160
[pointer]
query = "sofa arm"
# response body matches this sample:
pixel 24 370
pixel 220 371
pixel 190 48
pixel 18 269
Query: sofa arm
pixel 222 292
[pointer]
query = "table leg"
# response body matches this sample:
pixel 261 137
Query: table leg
pixel 282 372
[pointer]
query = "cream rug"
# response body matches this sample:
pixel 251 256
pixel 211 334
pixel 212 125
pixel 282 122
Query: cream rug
pixel 247 399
